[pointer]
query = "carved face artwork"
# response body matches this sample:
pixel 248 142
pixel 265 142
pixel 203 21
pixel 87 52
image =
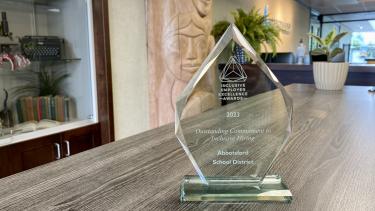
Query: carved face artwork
pixel 184 45
pixel 203 7
pixel 186 48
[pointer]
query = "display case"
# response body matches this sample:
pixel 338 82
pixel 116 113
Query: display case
pixel 47 68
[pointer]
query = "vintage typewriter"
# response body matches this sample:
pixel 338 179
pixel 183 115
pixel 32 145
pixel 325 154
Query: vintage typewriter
pixel 42 48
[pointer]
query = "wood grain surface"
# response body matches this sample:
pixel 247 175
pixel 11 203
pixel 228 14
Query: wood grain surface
pixel 329 164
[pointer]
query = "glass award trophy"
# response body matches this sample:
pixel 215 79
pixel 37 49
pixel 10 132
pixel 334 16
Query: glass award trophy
pixel 233 120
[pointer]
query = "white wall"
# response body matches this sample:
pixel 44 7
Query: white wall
pixel 288 11
pixel 129 66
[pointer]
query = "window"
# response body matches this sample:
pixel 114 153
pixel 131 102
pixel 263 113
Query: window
pixel 359 45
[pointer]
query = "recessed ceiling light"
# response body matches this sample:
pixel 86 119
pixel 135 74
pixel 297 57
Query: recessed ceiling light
pixel 56 10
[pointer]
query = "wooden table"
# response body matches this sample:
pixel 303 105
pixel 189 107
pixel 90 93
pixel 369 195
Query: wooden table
pixel 329 164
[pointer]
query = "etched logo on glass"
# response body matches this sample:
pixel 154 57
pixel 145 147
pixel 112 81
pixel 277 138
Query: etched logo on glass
pixel 233 72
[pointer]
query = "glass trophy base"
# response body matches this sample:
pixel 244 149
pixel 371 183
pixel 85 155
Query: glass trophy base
pixel 234 189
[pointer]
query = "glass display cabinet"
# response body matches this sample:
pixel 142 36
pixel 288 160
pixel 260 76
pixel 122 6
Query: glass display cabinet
pixel 48 71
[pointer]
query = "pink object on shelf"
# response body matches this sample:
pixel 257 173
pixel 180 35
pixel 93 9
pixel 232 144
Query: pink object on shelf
pixel 17 61
pixel 7 57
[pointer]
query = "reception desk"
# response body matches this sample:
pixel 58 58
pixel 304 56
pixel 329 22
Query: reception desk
pixel 359 75
pixel 328 164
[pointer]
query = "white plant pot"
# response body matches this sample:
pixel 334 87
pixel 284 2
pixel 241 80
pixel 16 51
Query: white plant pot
pixel 330 76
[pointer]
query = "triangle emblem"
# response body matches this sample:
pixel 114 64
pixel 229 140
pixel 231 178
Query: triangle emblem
pixel 233 72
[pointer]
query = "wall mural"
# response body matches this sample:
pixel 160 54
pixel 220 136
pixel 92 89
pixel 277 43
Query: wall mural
pixel 178 42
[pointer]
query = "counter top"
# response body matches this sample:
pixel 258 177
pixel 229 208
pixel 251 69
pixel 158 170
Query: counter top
pixel 22 137
pixel 360 68
pixel 328 165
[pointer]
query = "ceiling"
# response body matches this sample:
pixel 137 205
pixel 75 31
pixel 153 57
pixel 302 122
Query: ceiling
pixel 362 26
pixel 339 6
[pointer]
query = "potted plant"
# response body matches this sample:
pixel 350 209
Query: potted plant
pixel 42 83
pixel 329 75
pixel 256 29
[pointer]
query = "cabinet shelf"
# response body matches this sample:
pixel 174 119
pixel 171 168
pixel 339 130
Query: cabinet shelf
pixel 85 59
pixel 16 3
pixel 56 62
pixel 5 69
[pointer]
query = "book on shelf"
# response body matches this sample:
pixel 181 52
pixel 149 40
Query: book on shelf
pixel 58 108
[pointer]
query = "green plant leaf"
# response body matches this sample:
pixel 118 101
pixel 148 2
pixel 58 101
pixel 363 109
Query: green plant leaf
pixel 24 91
pixel 334 53
pixel 337 38
pixel 219 29
pixel 41 83
pixel 318 39
pixel 241 13
pixel 328 43
pixel 265 47
pixel 254 27
pixel 250 35
pixel 318 52
pixel 329 38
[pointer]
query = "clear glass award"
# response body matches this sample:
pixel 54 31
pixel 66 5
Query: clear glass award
pixel 233 120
